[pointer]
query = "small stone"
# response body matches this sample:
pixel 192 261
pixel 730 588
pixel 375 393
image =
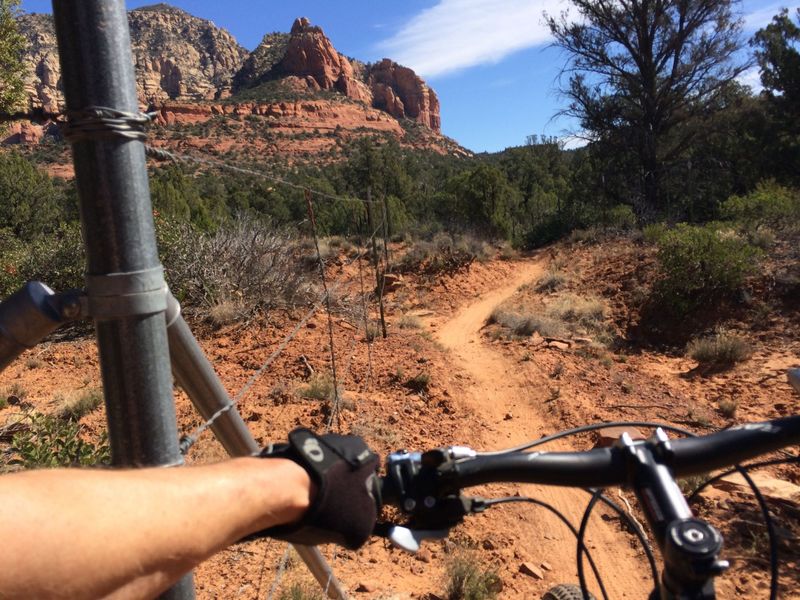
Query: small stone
pixel 558 345
pixel 546 566
pixel 508 416
pixel 366 586
pixel 424 555
pixel 607 436
pixel 488 545
pixel 531 570
pixel 310 325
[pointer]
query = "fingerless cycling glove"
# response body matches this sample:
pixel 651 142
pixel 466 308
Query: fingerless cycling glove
pixel 345 507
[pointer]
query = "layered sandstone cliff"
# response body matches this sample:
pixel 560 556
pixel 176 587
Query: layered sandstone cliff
pixel 176 56
pixel 182 58
pixel 294 94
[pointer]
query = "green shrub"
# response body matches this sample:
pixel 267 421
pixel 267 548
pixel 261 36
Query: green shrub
pixel 620 217
pixel 551 228
pixel 48 441
pixel 467 580
pixel 654 232
pixel 701 265
pixel 721 349
pixel 56 259
pixel 770 204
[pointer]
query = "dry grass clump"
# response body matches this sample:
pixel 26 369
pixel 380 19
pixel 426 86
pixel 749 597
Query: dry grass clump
pixel 551 281
pixel 728 406
pixel 223 313
pixel 301 591
pixel 320 387
pixel 410 322
pixel 76 405
pixel 589 312
pixel 261 267
pixel 418 383
pixel 524 323
pixel 445 253
pixel 721 349
pixel 466 579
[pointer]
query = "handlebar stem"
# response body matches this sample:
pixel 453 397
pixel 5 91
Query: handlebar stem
pixel 690 546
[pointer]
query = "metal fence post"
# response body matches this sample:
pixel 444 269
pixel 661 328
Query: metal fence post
pixel 119 235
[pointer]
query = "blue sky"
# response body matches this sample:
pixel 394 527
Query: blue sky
pixel 488 60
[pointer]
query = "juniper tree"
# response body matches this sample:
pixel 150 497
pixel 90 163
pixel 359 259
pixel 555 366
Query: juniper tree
pixel 642 72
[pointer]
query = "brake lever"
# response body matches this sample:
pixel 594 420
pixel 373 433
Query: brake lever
pixel 409 539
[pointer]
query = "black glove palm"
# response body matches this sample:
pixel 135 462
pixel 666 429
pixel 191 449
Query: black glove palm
pixel 345 508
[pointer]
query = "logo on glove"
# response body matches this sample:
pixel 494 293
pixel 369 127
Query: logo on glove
pixel 313 450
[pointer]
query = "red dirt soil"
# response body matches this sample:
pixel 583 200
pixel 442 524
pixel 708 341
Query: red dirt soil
pixel 485 391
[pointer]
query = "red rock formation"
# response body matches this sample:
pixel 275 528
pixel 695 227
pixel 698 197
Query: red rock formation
pixel 389 86
pixel 407 96
pixel 23 132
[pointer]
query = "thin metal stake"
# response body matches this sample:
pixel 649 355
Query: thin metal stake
pixel 335 408
pixel 366 323
pixel 375 261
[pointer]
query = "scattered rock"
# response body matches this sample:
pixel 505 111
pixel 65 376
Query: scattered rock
pixel 366 586
pixel 536 339
pixel 558 345
pixel 607 436
pixel 582 340
pixel 771 487
pixel 424 555
pixel 488 545
pixel 508 416
pixel 391 283
pixel 531 570
pixel 546 566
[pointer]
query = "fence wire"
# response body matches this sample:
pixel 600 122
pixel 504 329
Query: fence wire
pixel 189 440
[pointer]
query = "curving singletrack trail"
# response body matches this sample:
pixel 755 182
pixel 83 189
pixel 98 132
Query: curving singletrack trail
pixel 501 388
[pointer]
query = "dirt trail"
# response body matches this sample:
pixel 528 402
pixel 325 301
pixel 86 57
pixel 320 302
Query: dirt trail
pixel 506 398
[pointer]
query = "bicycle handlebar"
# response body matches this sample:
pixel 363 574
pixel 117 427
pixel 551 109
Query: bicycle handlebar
pixel 600 467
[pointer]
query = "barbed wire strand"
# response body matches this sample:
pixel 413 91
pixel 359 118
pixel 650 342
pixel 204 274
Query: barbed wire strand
pixel 282 562
pixel 188 441
pixel 166 155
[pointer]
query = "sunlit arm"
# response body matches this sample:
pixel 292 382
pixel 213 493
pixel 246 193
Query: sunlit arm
pixel 131 534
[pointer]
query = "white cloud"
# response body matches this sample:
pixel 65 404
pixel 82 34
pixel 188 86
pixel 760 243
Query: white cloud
pixel 456 34
pixel 752 78
pixel 760 17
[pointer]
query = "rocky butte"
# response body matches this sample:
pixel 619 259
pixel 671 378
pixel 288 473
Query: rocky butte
pixel 297 83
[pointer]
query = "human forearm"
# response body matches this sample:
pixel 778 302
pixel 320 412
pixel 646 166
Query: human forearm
pixel 135 532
